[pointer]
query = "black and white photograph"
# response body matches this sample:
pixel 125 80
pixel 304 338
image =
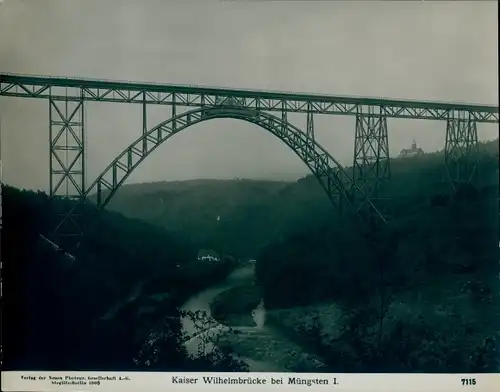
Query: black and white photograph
pixel 299 187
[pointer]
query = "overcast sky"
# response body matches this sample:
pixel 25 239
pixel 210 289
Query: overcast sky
pixel 444 51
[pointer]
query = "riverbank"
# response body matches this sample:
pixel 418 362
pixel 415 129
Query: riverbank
pixel 235 307
pixel 205 335
pixel 262 348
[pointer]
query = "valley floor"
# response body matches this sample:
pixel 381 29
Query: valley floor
pixel 264 349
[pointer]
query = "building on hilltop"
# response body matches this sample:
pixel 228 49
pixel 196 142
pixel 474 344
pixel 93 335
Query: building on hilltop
pixel 411 152
pixel 207 255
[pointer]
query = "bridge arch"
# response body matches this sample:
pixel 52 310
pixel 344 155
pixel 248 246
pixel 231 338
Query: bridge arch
pixel 330 174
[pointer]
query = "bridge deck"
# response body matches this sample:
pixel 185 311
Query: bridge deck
pixel 139 92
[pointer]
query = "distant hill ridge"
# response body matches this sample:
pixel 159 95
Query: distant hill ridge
pixel 162 185
pixel 488 147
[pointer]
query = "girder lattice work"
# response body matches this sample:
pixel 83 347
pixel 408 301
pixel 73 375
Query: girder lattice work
pixel 321 163
pixel 461 148
pixel 67 169
pixel 371 165
pixel 43 87
pixel 310 127
pixel 66 98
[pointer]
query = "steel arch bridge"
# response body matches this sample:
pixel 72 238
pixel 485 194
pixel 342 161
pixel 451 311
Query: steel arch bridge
pixel 268 109
pixel 328 171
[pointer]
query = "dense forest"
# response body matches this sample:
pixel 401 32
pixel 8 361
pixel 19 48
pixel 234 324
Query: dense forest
pixel 254 213
pixel 418 294
pixel 246 209
pixel 97 312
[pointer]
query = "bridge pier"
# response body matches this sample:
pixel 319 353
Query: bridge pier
pixel 67 168
pixel 144 123
pixel 284 116
pixel 371 164
pixel 461 148
pixel 310 129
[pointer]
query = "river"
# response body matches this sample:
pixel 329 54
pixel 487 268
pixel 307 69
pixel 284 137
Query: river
pixel 202 301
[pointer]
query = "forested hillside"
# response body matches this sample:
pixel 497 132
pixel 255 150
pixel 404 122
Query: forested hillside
pixel 418 294
pixel 97 312
pixel 254 213
pixel 245 207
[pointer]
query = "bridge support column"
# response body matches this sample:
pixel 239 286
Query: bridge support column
pixel 284 116
pixel 174 113
pixel 144 123
pixel 461 148
pixel 310 130
pixel 371 165
pixel 310 124
pixel 67 169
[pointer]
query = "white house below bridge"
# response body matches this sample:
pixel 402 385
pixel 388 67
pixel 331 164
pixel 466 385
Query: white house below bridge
pixel 208 255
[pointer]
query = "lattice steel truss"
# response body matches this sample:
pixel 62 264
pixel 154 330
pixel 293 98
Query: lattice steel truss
pixel 66 97
pixel 59 88
pixel 371 165
pixel 67 169
pixel 327 170
pixel 461 148
pixel 310 126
